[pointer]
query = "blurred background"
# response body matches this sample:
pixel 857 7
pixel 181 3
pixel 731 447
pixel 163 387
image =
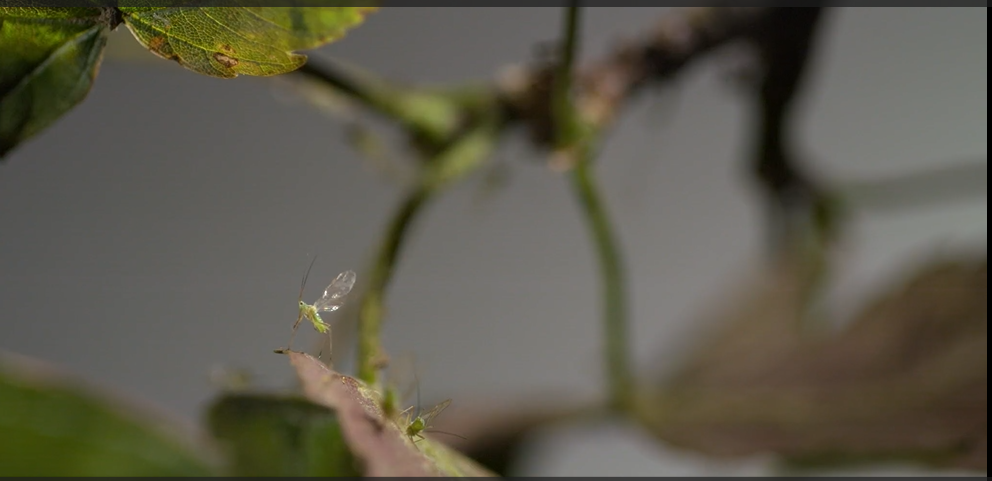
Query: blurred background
pixel 162 228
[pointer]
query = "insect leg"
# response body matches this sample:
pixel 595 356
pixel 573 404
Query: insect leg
pixel 330 347
pixel 296 325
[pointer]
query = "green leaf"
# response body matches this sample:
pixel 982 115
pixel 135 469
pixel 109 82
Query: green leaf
pixel 280 436
pixel 48 60
pixel 230 41
pixel 54 429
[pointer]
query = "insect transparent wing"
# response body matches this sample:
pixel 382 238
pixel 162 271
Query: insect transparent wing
pixel 335 293
pixel 430 415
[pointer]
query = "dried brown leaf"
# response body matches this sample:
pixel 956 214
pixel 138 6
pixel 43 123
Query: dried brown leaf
pixel 378 443
pixel 906 380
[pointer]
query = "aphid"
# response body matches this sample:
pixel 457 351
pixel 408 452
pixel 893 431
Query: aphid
pixel 331 301
pixel 418 423
pixel 414 423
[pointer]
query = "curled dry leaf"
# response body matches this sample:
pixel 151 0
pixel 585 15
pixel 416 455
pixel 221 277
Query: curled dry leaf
pixel 379 444
pixel 907 380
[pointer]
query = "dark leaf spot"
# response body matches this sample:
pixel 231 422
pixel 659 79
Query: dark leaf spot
pixel 225 60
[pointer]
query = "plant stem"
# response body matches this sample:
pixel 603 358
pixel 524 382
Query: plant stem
pixel 451 165
pixel 613 278
pixel 432 115
pixel 371 312
pixel 564 111
pixel 579 142
pixel 340 81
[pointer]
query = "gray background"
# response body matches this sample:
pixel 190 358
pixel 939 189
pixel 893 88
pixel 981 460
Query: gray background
pixel 162 227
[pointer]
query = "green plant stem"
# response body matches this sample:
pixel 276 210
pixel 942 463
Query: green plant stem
pixel 340 81
pixel 371 312
pixel 613 278
pixel 451 165
pixel 574 140
pixel 434 116
pixel 564 111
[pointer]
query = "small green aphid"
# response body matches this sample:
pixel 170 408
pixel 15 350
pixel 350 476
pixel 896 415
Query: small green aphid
pixel 417 423
pixel 331 301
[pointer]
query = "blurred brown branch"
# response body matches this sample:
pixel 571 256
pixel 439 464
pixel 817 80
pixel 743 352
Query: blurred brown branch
pixel 907 380
pixel 602 87
pixel 440 118
pixel 605 86
pixel 782 36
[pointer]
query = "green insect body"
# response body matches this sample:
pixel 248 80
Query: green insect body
pixel 331 301
pixel 412 423
pixel 416 427
pixel 310 313
pixel 416 424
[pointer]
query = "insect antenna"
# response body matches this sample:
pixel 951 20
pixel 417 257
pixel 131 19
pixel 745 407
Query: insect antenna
pixel 416 379
pixel 299 317
pixel 306 276
pixel 433 431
